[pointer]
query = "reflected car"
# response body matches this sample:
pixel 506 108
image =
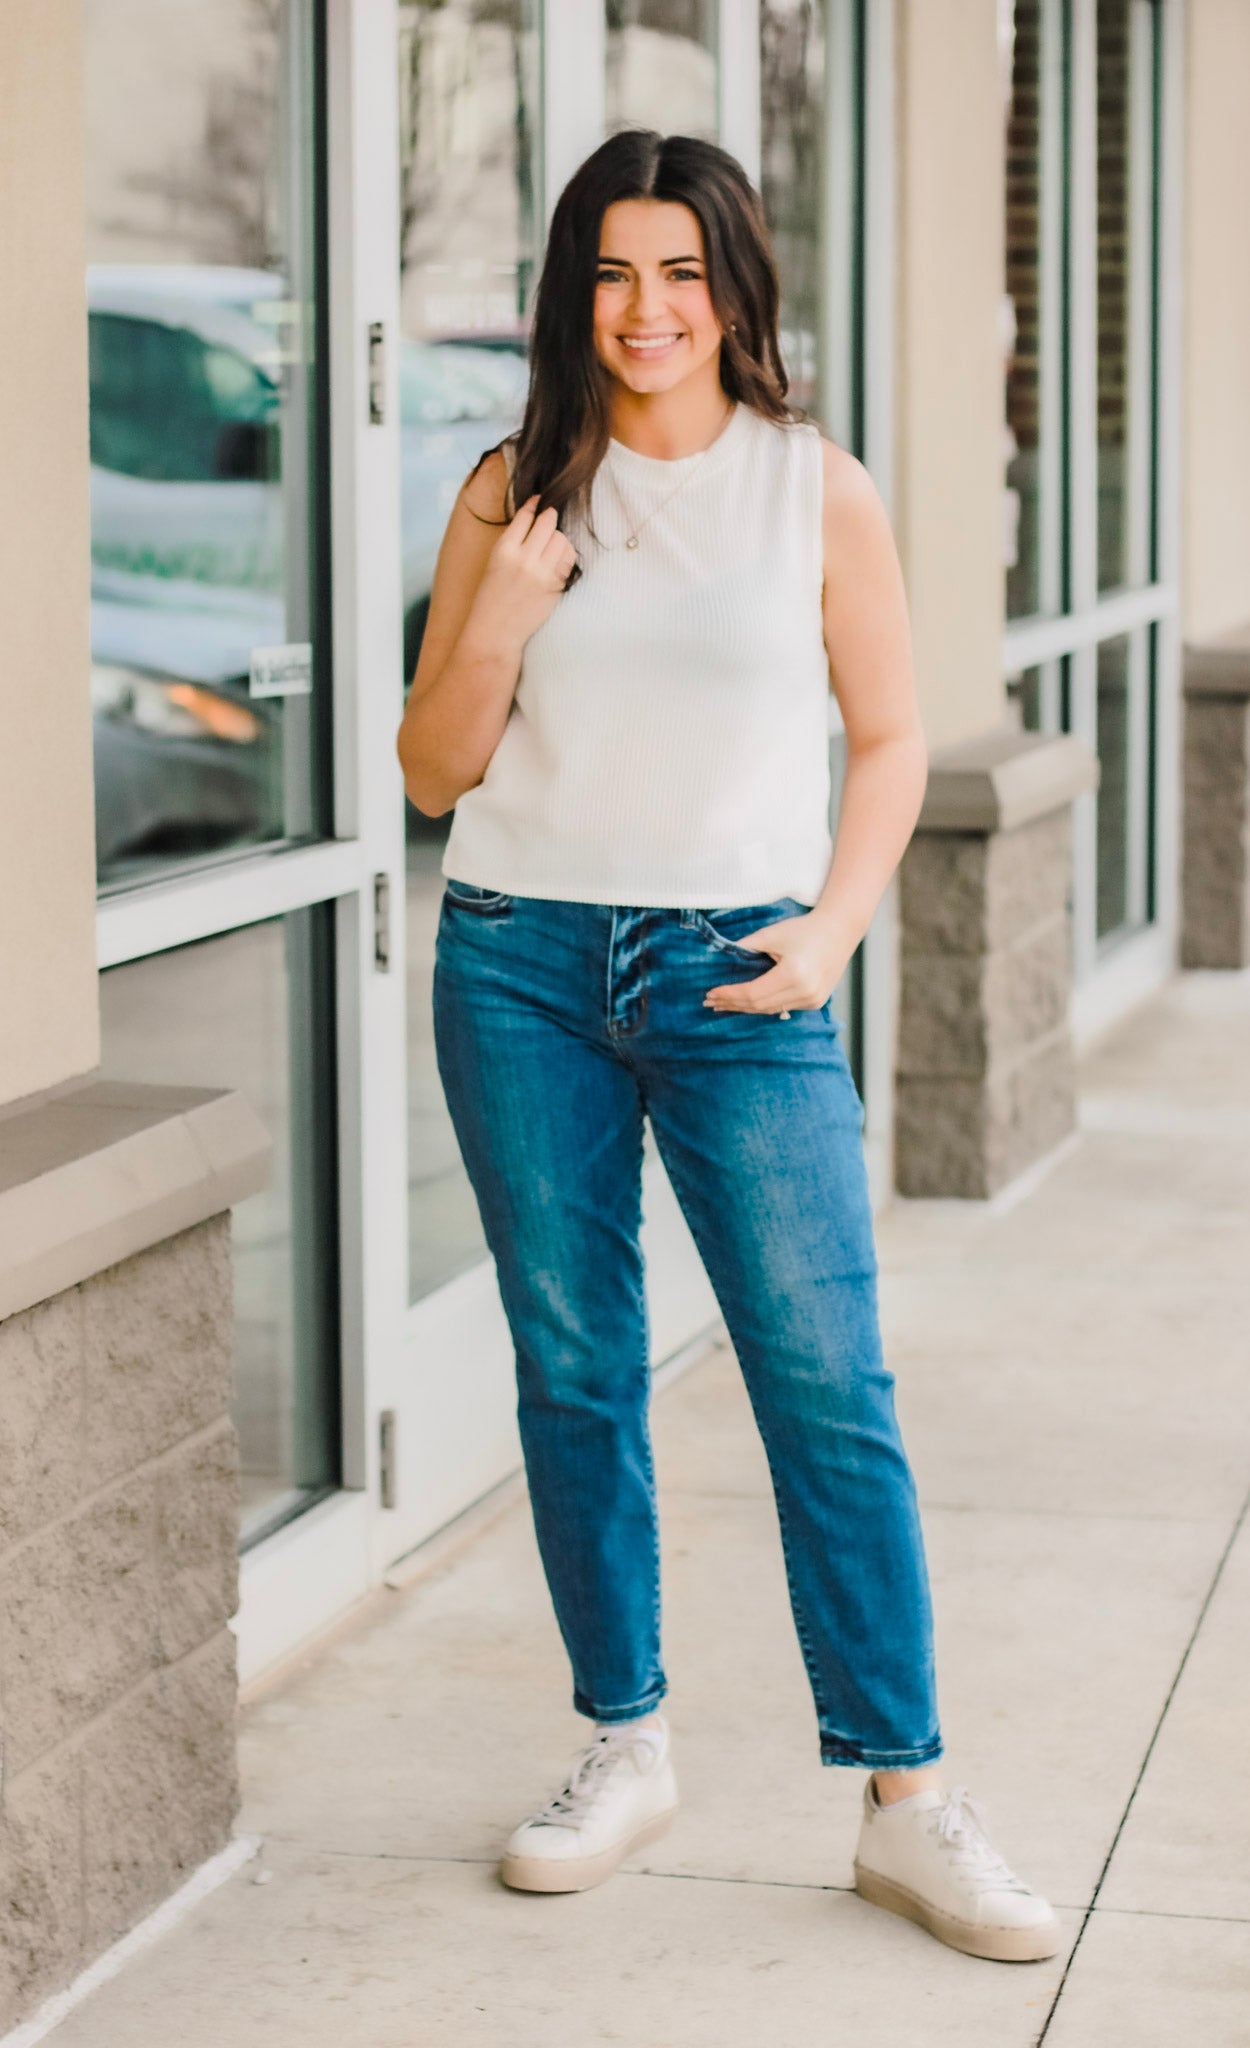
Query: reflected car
pixel 194 390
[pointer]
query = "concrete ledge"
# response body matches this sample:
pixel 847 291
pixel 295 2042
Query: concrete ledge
pixel 1003 779
pixel 94 1174
pixel 1219 668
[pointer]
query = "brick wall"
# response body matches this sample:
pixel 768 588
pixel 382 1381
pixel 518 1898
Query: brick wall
pixel 1024 221
pixel 1113 223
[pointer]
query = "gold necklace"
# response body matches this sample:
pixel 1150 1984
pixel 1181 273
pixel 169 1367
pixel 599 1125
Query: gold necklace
pixel 631 540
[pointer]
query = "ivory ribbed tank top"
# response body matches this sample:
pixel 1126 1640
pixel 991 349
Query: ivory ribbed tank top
pixel 668 742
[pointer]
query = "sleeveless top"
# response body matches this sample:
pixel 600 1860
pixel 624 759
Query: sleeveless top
pixel 668 742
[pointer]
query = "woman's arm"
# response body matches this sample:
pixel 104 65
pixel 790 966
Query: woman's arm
pixel 493 586
pixel 868 641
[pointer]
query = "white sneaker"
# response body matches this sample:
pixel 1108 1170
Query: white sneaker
pixel 621 1792
pixel 929 1858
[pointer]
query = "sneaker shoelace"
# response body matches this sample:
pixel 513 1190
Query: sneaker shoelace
pixel 960 1825
pixel 587 1779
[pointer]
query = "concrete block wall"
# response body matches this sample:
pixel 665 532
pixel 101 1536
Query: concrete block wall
pixel 985 1068
pixel 985 1079
pixel 1215 862
pixel 119 1500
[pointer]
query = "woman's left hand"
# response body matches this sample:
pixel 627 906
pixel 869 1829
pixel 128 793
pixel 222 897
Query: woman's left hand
pixel 809 965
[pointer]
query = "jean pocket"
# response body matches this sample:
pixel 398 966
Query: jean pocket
pixel 472 896
pixel 721 927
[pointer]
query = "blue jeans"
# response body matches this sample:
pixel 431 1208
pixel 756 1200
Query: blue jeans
pixel 558 1027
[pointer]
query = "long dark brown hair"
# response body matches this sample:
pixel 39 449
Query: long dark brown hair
pixel 564 434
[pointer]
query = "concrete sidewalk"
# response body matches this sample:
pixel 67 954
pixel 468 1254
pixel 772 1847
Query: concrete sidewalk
pixel 1073 1366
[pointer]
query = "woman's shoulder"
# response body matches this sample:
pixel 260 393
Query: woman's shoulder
pixel 485 488
pixel 855 525
pixel 841 470
pixel 847 483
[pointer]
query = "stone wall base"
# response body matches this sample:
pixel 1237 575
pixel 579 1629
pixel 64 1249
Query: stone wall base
pixel 119 1517
pixel 1215 866
pixel 118 1574
pixel 970 1137
pixel 985 1081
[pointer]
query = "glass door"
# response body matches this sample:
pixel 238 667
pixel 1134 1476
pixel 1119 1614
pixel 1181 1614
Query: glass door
pixel 210 678
pixel 470 236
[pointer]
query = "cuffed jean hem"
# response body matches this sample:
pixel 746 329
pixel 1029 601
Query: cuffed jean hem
pixel 587 1706
pixel 838 1749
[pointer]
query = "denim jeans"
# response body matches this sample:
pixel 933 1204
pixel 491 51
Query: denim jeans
pixel 558 1026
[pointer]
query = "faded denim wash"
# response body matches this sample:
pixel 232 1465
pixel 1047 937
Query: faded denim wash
pixel 558 1026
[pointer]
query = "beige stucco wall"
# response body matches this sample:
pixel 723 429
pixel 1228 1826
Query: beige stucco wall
pixel 1216 373
pixel 949 397
pixel 49 1027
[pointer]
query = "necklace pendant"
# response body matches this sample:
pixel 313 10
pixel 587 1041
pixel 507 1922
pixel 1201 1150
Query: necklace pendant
pixel 632 542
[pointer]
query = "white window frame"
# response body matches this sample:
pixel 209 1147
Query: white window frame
pixel 1112 975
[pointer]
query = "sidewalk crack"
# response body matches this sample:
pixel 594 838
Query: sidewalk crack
pixel 1225 1554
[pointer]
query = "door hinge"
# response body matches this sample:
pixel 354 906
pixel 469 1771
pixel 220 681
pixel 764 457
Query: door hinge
pixel 377 374
pixel 386 1457
pixel 382 923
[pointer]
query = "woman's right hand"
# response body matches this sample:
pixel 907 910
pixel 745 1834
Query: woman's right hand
pixel 527 570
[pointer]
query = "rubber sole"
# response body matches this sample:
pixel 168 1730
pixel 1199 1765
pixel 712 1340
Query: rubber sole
pixel 996 1944
pixel 579 1873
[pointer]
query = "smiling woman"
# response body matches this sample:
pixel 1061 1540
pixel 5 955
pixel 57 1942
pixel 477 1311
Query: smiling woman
pixel 640 604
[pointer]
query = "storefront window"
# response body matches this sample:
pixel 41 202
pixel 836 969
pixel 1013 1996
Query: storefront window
pixel 469 250
pixel 1024 693
pixel 1125 736
pixel 1039 697
pixel 252 1011
pixel 1084 95
pixel 201 305
pixel 661 66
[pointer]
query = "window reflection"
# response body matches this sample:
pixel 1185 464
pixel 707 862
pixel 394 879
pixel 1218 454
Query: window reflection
pixel 1126 122
pixel 1033 65
pixel 199 299
pixel 1024 696
pixel 1126 825
pixel 792 186
pixel 661 66
pixel 239 1012
pixel 1112 802
pixel 470 240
